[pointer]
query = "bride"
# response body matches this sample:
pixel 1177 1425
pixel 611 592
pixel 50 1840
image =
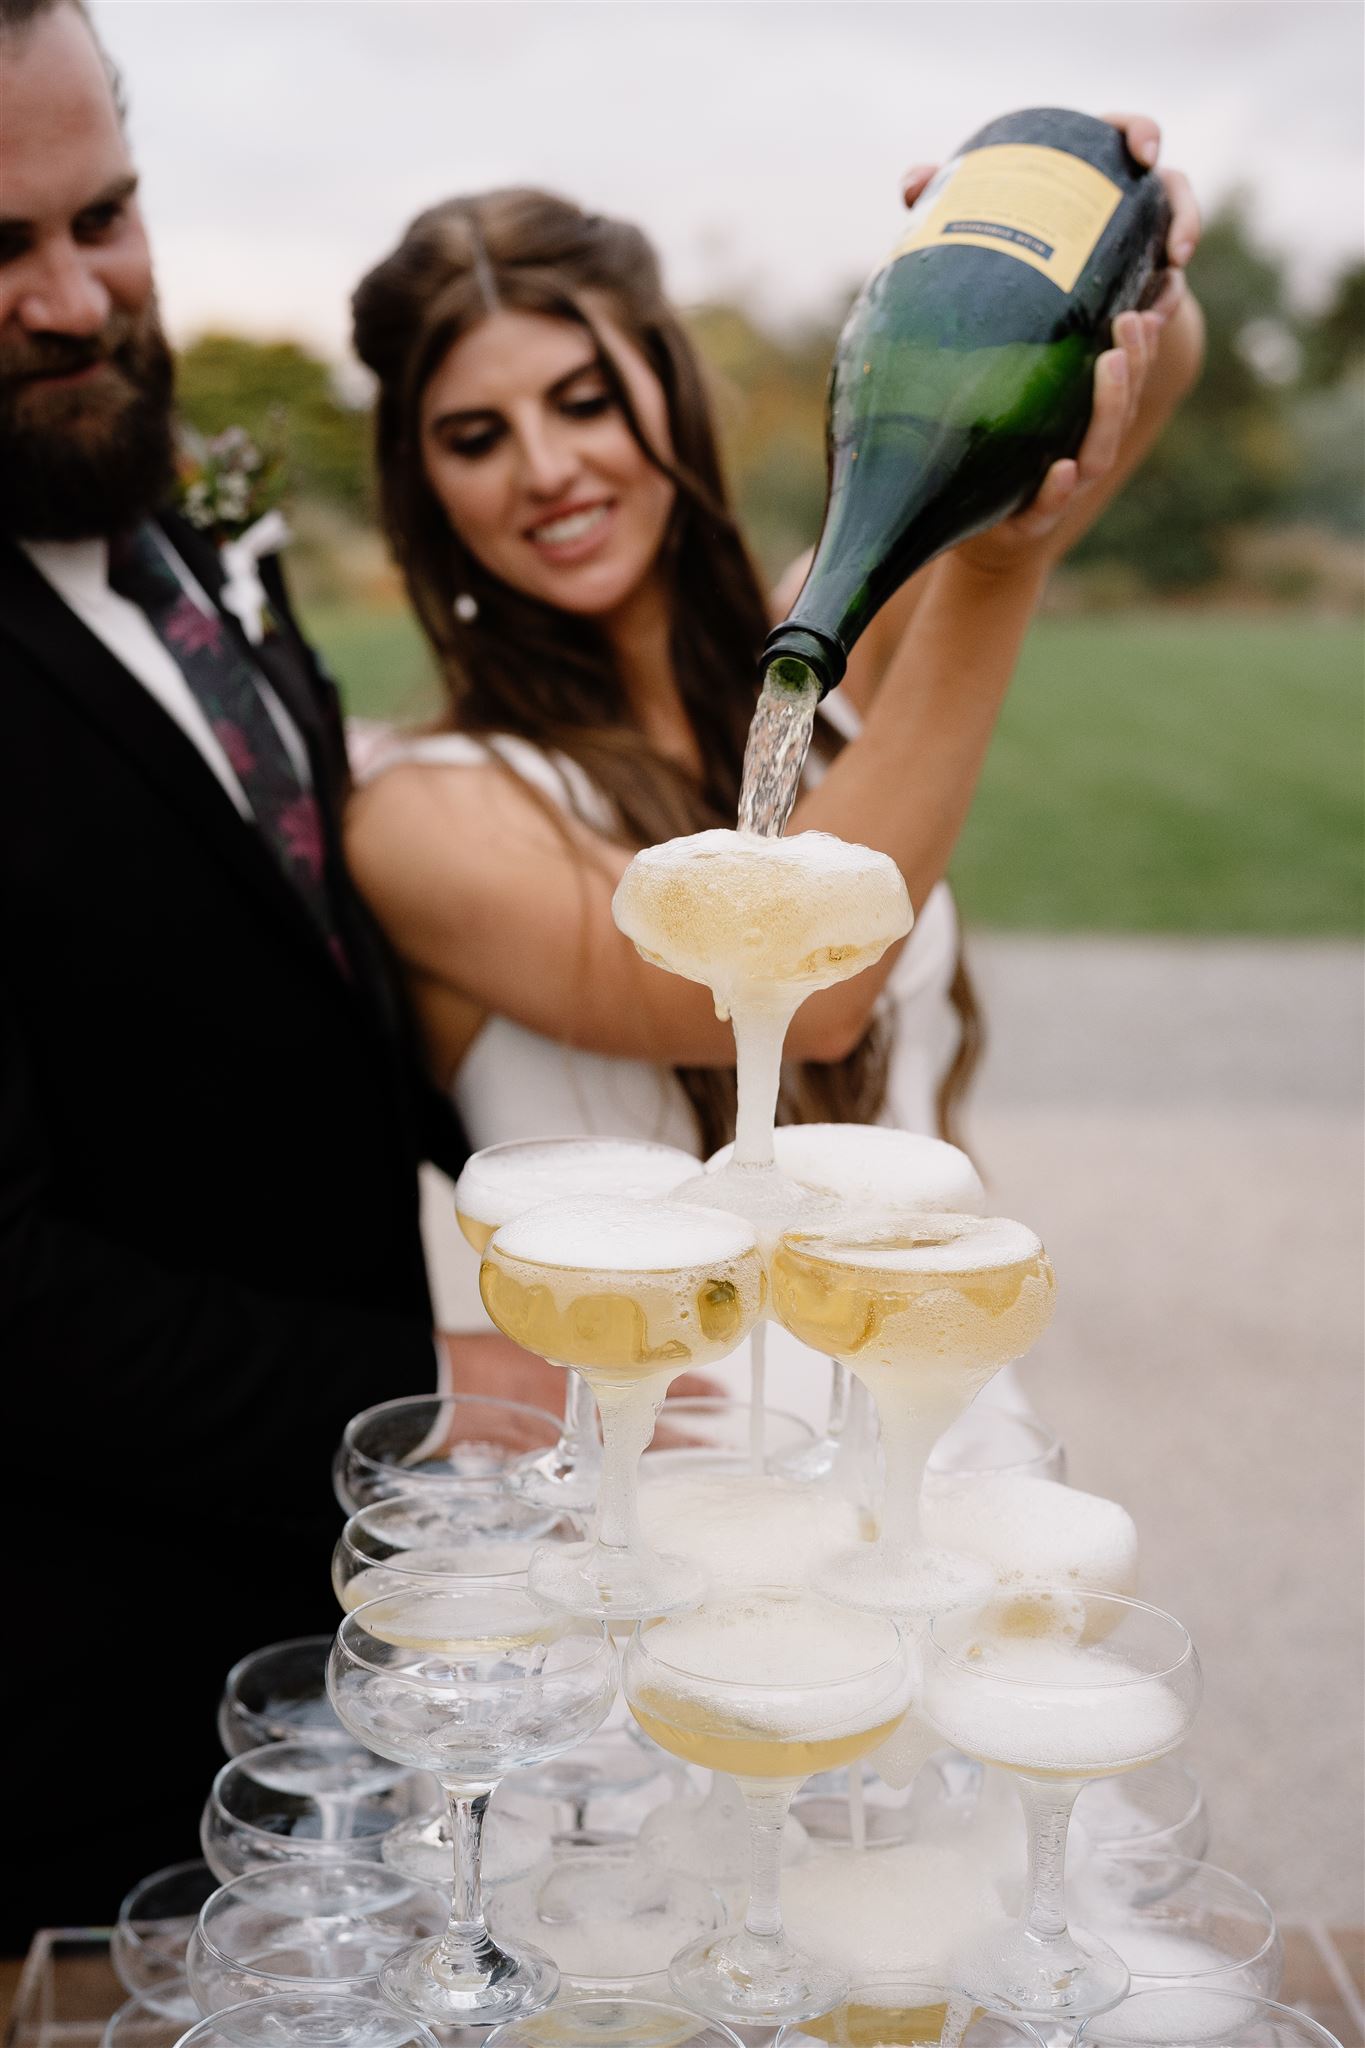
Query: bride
pixel 551 487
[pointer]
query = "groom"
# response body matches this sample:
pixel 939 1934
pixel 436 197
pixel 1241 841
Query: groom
pixel 210 1112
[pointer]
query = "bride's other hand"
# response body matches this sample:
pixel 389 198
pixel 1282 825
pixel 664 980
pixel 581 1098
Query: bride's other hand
pixel 1143 137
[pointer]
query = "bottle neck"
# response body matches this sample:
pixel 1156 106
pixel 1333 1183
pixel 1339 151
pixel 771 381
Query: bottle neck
pixel 811 653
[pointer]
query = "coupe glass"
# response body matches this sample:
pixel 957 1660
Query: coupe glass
pixel 329 1925
pixel 1158 1810
pixel 713 1433
pixel 631 1295
pixel 1176 1922
pixel 1203 2019
pixel 736 1516
pixel 853 1809
pixel 278 1694
pixel 1101 1685
pixel 411 1540
pixel 768 1687
pixel 466 1450
pixel 609 1765
pixel 870 1169
pixel 924 1312
pixel 158 2021
pixel 303 1802
pixel 988 1441
pixel 615 2023
pixel 309 2019
pixel 889 2010
pixel 504 1181
pixel 469 1685
pixel 612 1919
pixel 155 1922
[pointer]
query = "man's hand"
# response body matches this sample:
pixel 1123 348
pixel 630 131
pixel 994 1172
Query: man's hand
pixel 482 1362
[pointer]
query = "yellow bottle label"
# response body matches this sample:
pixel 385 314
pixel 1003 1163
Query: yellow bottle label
pixel 1044 206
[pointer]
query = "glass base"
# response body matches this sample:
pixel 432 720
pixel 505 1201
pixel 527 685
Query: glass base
pixel 1070 1977
pixel 914 1584
pixel 491 1986
pixel 557 1479
pixel 621 1585
pixel 754 1979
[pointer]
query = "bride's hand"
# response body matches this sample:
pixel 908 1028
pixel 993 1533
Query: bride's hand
pixel 1120 373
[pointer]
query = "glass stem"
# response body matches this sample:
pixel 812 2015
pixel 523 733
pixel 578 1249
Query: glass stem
pixel 629 1414
pixel 1047 1804
pixel 840 1380
pixel 759 1032
pixel 465 1943
pixel 767 1805
pixel 907 1439
pixel 580 1422
pixel 758 1378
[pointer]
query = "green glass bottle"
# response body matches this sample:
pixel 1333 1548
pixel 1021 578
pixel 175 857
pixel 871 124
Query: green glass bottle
pixel 965 366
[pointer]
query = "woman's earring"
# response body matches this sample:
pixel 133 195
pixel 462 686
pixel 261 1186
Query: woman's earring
pixel 466 608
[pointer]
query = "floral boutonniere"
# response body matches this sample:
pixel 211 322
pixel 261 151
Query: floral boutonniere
pixel 231 490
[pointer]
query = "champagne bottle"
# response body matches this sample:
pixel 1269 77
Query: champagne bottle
pixel 965 366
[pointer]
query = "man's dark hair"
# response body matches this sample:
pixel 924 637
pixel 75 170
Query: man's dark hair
pixel 18 15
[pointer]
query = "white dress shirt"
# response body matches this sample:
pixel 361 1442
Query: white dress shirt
pixel 78 571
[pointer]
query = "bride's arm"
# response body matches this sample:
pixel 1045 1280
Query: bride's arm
pixel 479 890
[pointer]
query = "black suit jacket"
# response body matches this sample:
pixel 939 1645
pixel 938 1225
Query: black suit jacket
pixel 209 1255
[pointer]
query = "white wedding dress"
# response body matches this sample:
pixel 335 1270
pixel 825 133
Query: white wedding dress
pixel 517 1083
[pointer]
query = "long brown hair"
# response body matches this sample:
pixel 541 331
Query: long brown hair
pixel 522 667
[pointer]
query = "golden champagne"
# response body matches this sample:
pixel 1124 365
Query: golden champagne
pixel 619 1321
pixel 880 2026
pixel 707 1736
pixel 944 1300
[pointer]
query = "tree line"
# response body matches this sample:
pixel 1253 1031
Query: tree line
pixel 1260 484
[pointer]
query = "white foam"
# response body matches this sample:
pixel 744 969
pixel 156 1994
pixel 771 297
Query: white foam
pixel 1179 2019
pixel 1039 1703
pixel 767 1198
pixel 940 1242
pixel 761 1658
pixel 737 910
pixel 873 1167
pixel 504 1180
pixel 1034 1531
pixel 746 1529
pixel 601 1236
pixel 906 1907
pixel 604 1917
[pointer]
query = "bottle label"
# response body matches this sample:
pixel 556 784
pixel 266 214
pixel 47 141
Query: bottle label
pixel 1044 206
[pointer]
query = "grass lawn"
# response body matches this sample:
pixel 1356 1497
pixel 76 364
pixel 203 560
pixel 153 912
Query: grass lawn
pixel 1154 772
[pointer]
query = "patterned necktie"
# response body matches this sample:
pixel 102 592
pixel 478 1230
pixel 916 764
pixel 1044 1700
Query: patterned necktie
pixel 223 683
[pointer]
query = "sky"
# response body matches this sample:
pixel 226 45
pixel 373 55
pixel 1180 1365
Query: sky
pixel 285 143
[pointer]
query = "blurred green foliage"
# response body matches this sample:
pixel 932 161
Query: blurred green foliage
pixel 286 399
pixel 1273 435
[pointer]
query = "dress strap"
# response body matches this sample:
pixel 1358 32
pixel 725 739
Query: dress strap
pixel 374 748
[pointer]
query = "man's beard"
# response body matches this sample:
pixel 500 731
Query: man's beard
pixel 94 458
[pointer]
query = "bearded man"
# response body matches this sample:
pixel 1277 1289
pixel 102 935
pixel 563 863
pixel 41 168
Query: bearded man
pixel 210 1118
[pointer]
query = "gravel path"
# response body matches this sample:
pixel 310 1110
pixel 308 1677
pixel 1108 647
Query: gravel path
pixel 1182 1123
